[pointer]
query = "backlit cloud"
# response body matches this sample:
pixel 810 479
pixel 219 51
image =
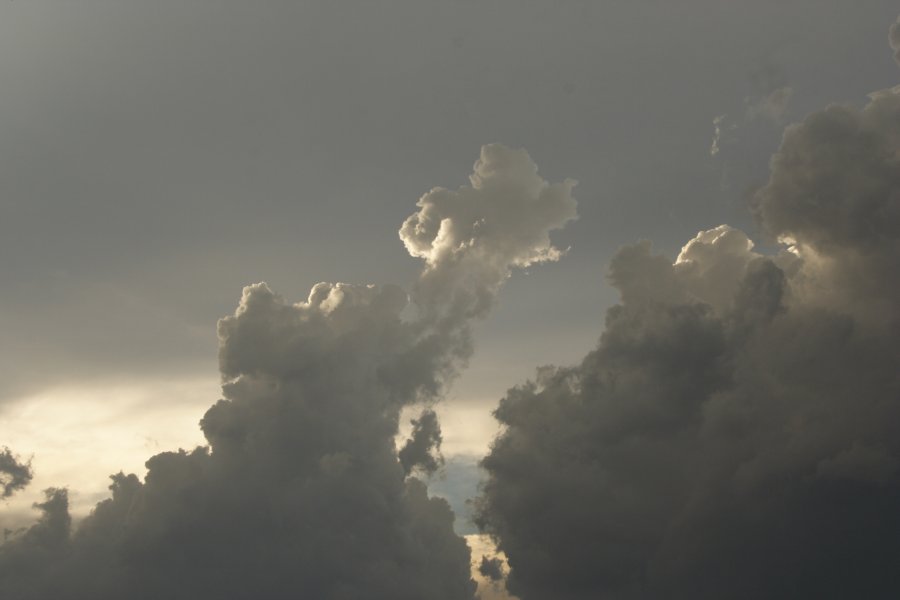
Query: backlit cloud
pixel 735 432
pixel 301 488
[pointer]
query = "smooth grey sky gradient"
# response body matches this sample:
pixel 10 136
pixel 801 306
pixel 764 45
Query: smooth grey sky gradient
pixel 156 157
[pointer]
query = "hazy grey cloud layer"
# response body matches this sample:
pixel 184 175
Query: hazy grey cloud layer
pixel 765 105
pixel 155 158
pixel 894 40
pixel 736 432
pixel 301 490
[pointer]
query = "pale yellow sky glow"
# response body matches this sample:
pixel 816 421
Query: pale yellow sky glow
pixel 482 545
pixel 78 436
pixel 467 427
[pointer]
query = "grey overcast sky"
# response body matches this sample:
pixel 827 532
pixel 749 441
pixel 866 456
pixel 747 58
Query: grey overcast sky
pixel 156 157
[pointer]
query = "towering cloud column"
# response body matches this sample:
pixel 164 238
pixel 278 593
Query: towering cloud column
pixel 301 492
pixel 736 433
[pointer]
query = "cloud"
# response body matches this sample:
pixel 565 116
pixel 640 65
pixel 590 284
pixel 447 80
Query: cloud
pixel 470 238
pixel 419 451
pixel 723 132
pixel 772 106
pixel 33 553
pixel 14 474
pixel 735 432
pixel 301 489
pixel 770 93
pixel 767 104
pixel 488 562
pixel 491 568
pixel 894 40
pixel 834 195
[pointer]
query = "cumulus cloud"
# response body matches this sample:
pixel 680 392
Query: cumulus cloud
pixel 834 195
pixel 422 449
pixel 471 237
pixel 301 490
pixel 15 475
pixel 735 432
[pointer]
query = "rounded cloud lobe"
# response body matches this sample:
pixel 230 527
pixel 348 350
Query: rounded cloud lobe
pixel 301 490
pixel 471 237
pixel 735 432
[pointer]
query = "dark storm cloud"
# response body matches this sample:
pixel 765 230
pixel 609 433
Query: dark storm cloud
pixel 834 193
pixel 15 475
pixel 736 432
pixel 301 491
pixel 34 552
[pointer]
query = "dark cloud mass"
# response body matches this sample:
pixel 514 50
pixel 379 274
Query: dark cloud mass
pixel 736 432
pixel 492 568
pixel 301 493
pixel 422 449
pixel 15 475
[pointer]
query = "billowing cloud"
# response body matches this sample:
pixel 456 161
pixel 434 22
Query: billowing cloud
pixel 471 237
pixel 301 490
pixel 834 195
pixel 422 449
pixel 736 432
pixel 15 475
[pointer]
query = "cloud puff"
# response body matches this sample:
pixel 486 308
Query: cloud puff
pixel 301 490
pixel 735 432
pixel 834 195
pixel 491 568
pixel 15 475
pixel 471 237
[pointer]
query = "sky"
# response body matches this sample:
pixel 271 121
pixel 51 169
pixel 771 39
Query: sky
pixel 491 168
